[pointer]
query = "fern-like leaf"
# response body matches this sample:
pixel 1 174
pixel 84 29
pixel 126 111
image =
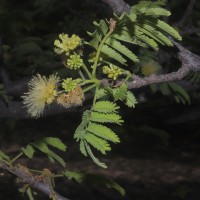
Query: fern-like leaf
pixel 168 29
pixel 130 100
pixel 120 93
pixel 103 26
pixel 105 107
pixel 106 118
pixel 82 148
pixel 122 49
pixel 98 143
pixel 103 132
pixel 110 52
pixel 96 160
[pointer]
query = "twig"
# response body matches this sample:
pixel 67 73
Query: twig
pixel 31 180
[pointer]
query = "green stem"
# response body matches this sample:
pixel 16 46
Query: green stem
pixel 87 71
pixel 90 87
pixel 95 96
pixel 98 53
pixel 81 75
pixel 16 157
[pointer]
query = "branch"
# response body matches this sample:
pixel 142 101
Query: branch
pixel 190 62
pixel 118 6
pixel 30 180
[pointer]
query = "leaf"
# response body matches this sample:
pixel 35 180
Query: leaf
pixel 42 147
pixel 98 143
pixel 106 118
pixel 105 107
pixel 82 148
pixel 94 180
pixel 77 176
pixel 101 93
pixel 4 157
pixel 29 193
pixel 154 87
pixel 55 142
pixel 167 28
pixel 28 151
pixel 57 158
pixel 96 160
pixel 175 87
pixel 131 100
pixel 164 88
pixel 113 54
pixel 103 132
pixel 103 26
pixel 120 93
pixel 122 49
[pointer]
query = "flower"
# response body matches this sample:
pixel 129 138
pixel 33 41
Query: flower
pixel 72 98
pixel 151 67
pixel 42 91
pixel 112 70
pixel 74 61
pixel 66 44
pixel 68 84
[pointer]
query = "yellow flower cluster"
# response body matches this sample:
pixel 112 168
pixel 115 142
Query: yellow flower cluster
pixel 42 91
pixel 66 43
pixel 112 71
pixel 74 62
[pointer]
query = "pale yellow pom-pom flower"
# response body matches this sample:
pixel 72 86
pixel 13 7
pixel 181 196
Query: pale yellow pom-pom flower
pixel 42 92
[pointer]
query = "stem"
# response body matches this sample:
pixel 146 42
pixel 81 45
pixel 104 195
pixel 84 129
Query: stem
pixel 16 157
pixel 81 75
pixel 98 53
pixel 90 87
pixel 87 71
pixel 95 96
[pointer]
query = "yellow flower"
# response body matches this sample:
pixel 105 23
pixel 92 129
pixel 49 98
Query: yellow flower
pixel 112 71
pixel 66 44
pixel 42 91
pixel 151 67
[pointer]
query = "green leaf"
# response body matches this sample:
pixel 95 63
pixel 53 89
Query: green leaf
pixel 106 118
pixel 105 107
pixel 178 89
pixel 96 160
pixel 122 49
pixel 55 142
pixel 167 28
pixel 28 151
pixel 164 88
pixel 120 93
pixel 98 143
pixel 113 54
pixel 82 148
pixel 103 132
pixel 29 193
pixel 77 176
pixel 42 147
pixel 94 180
pixel 57 158
pixel 4 157
pixel 131 100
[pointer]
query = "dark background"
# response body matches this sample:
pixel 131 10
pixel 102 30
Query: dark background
pixel 158 157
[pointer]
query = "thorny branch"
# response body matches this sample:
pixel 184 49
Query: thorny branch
pixel 31 180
